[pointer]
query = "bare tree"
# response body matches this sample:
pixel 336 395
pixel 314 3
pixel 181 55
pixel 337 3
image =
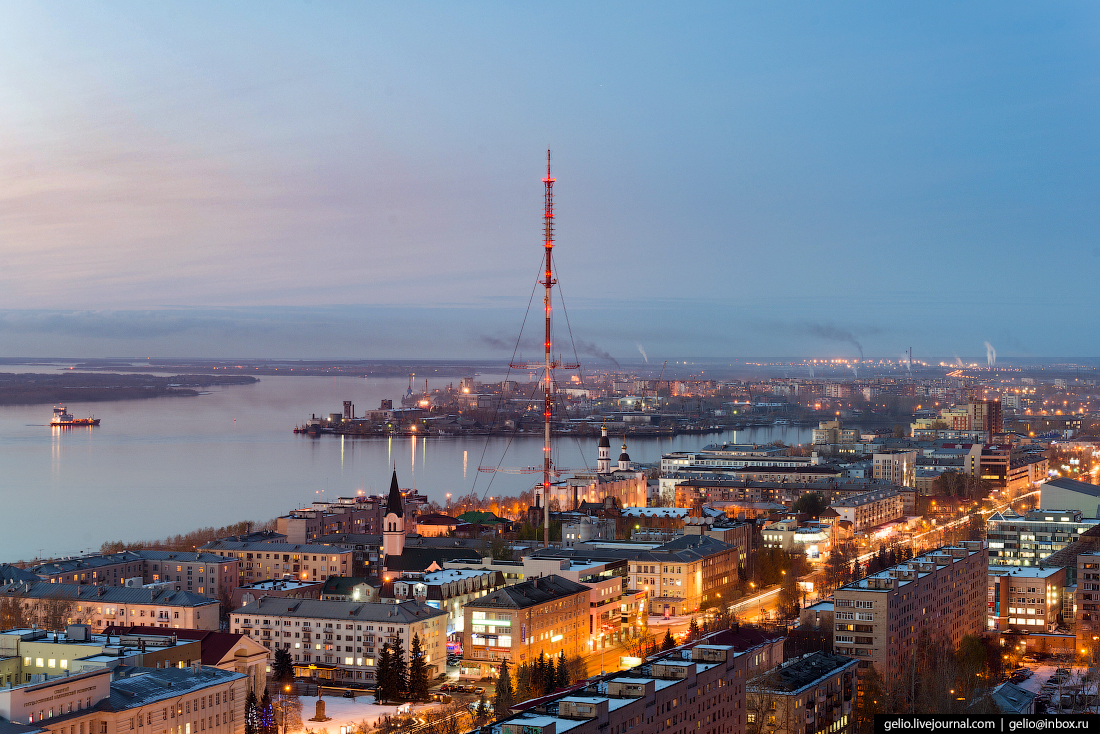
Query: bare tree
pixel 13 612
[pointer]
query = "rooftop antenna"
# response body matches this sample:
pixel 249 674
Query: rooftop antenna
pixel 549 364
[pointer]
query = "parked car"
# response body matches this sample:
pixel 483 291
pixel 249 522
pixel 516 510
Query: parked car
pixel 479 690
pixel 349 694
pixel 1022 673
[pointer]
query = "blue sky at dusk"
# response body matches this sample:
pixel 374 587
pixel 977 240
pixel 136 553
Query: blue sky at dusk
pixel 733 180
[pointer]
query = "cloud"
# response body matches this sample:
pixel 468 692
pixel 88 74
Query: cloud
pixel 833 333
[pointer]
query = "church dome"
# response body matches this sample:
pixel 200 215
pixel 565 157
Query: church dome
pixel 624 456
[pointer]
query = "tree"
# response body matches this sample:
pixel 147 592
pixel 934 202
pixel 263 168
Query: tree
pixel 266 714
pixel 813 504
pixel 54 613
pixel 788 605
pixel 418 671
pixel 576 668
pixel 668 642
pixel 523 683
pixel 251 715
pixel 282 669
pixel 398 669
pixel 481 712
pixel 562 677
pixel 13 612
pixel 387 689
pixel 503 700
pixel 289 712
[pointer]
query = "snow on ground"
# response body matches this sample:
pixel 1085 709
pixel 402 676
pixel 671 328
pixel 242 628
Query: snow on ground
pixel 348 712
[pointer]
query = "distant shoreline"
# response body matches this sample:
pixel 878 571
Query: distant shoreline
pixel 75 388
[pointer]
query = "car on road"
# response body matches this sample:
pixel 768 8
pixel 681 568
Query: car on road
pixel 479 690
pixel 349 694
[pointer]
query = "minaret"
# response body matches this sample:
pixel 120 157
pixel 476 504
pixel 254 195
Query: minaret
pixel 624 460
pixel 393 524
pixel 603 463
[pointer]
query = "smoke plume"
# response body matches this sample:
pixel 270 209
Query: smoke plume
pixel 834 333
pixel 592 350
pixel 990 355
pixel 810 367
pixel 958 361
pixel 854 369
pixel 644 355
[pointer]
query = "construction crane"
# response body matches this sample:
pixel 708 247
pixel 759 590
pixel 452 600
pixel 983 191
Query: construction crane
pixel 657 389
pixel 555 471
pixel 409 393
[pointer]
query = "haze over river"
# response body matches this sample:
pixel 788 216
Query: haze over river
pixel 162 466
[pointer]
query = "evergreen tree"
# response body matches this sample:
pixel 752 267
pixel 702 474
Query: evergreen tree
pixel 892 558
pixel 668 642
pixel 481 712
pixel 788 598
pixel 538 676
pixel 693 630
pixel 282 669
pixel 251 715
pixel 563 672
pixel 881 557
pixel 523 682
pixel 267 715
pixel 386 688
pixel 503 700
pixel 418 671
pixel 398 669
pixel 855 570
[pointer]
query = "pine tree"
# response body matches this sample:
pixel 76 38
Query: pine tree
pixel 386 689
pixel 282 669
pixel 398 669
pixel 538 676
pixel 668 642
pixel 251 715
pixel 503 700
pixel 267 715
pixel 563 672
pixel 693 630
pixel 523 682
pixel 418 671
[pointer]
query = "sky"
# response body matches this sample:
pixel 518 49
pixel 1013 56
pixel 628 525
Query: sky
pixel 734 180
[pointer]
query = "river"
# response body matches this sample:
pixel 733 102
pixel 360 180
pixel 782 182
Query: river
pixel 162 466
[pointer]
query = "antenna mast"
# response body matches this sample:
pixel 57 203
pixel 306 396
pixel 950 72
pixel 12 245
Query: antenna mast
pixel 549 365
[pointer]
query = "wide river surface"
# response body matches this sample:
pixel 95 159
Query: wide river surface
pixel 162 466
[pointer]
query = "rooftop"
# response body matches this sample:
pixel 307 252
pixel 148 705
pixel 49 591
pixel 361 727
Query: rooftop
pixel 403 613
pixel 108 594
pixel 808 670
pixel 529 593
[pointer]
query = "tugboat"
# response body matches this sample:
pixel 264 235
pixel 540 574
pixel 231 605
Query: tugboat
pixel 64 419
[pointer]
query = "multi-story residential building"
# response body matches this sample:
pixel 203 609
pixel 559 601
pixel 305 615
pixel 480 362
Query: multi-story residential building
pixel 286 589
pixel 1087 604
pixel 896 467
pixel 1025 599
pixel 105 701
pixel 203 573
pixel 37 652
pixel 449 590
pixel 614 611
pixel 261 561
pixel 546 615
pixel 812 694
pixel 341 640
pixel 359 515
pixel 812 539
pixel 701 690
pixel 870 509
pixel 879 618
pixel 1025 540
pixel 833 433
pixel 55 605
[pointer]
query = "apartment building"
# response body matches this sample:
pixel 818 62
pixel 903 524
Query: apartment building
pixel 813 539
pixel 1025 599
pixel 812 694
pixel 543 615
pixel 878 619
pixel 701 690
pixel 360 515
pixel 1087 603
pixel 449 590
pixel 896 467
pixel 55 605
pixel 1025 540
pixel 870 509
pixel 341 640
pixel 31 652
pixel 149 700
pixel 259 561
pixel 203 573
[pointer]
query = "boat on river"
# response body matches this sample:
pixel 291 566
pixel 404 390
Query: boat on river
pixel 64 419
